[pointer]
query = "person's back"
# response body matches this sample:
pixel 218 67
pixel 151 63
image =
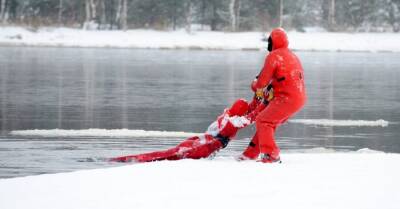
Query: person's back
pixel 285 70
pixel 288 79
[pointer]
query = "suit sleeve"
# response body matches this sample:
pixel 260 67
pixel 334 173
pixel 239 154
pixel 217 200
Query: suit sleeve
pixel 267 72
pixel 253 114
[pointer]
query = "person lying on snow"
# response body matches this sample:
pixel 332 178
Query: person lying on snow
pixel 217 136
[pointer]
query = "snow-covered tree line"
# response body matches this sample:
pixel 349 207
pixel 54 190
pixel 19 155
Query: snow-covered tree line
pixel 227 15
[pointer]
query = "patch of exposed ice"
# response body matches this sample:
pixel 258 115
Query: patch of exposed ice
pixel 100 133
pixel 331 122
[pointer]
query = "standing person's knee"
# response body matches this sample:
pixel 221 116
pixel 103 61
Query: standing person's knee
pixel 263 122
pixel 258 122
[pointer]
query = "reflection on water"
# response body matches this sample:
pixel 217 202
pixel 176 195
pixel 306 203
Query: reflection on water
pixel 166 90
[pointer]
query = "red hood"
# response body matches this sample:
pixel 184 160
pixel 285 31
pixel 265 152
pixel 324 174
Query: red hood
pixel 279 39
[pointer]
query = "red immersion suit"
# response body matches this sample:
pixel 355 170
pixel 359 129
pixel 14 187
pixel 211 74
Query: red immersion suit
pixel 283 70
pixel 217 136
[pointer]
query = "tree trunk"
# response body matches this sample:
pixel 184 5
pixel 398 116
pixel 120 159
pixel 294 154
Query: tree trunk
pixel 60 10
pixel 174 17
pixel 102 15
pixel 111 13
pixel 93 9
pixel 238 7
pixel 118 13
pixel 189 14
pixel 203 13
pixel 214 19
pixel 88 12
pixel 232 14
pixel 124 15
pixel 88 15
pixel 3 10
pixel 280 13
pixel 393 17
pixel 331 15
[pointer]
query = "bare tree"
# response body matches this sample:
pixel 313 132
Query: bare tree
pixel 203 13
pixel 189 16
pixel 93 8
pixel 88 12
pixel 3 11
pixel 280 13
pixel 90 9
pixel 214 15
pixel 124 15
pixel 394 15
pixel 60 10
pixel 234 13
pixel 118 12
pixel 331 15
pixel 103 17
pixel 121 14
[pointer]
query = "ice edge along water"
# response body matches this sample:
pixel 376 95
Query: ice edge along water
pixel 149 133
pixel 100 133
pixel 330 122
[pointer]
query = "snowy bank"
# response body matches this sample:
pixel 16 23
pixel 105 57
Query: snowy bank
pixel 337 180
pixel 310 41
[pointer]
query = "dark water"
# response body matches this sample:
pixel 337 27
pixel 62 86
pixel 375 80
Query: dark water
pixel 166 90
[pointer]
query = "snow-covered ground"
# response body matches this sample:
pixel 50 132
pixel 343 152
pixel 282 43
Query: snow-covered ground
pixel 330 180
pixel 313 40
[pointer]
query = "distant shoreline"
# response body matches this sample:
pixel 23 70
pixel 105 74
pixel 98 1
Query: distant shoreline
pixel 198 40
pixel 189 48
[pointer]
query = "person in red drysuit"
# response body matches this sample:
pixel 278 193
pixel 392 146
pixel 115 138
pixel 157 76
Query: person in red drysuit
pixel 217 136
pixel 283 71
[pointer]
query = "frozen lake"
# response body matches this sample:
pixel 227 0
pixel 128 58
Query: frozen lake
pixel 177 91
